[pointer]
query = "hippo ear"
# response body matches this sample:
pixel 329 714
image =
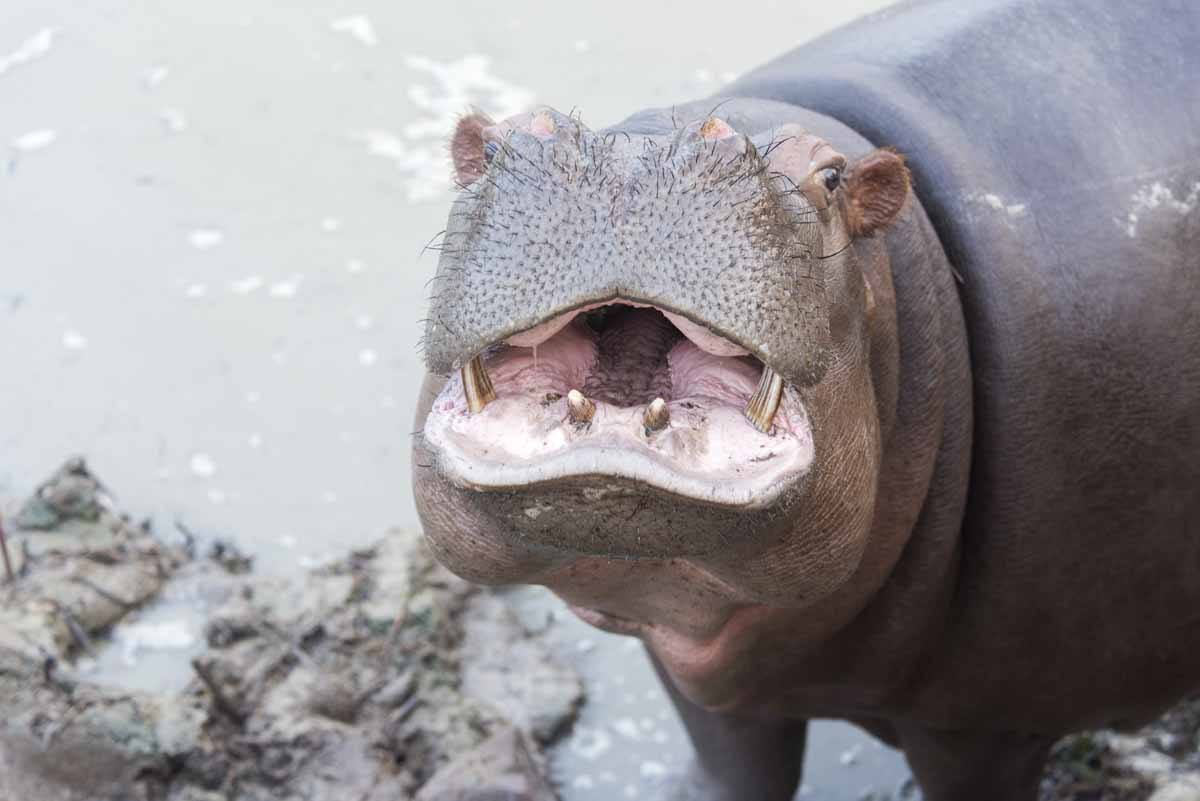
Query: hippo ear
pixel 467 147
pixel 876 187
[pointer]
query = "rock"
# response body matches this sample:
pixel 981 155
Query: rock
pixel 71 493
pixel 531 688
pixel 82 568
pixel 230 557
pixel 499 768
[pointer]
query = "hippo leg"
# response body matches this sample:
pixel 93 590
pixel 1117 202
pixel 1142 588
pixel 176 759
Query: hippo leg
pixel 982 766
pixel 737 758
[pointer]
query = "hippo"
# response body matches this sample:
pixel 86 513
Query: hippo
pixel 866 389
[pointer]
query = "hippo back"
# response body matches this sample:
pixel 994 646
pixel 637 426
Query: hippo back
pixel 1056 148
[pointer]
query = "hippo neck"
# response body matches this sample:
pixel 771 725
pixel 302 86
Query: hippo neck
pixel 925 468
pixel 894 609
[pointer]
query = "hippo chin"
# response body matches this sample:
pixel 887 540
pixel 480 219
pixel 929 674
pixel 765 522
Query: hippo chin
pixel 918 452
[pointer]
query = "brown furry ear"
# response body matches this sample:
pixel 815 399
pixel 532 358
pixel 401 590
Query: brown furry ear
pixel 876 187
pixel 467 147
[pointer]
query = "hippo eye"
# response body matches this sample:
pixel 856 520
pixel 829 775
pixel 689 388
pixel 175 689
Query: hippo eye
pixel 831 177
pixel 490 149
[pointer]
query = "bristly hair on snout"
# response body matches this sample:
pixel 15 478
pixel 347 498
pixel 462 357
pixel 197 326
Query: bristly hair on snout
pixel 554 216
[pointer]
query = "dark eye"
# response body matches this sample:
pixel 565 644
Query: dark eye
pixel 831 177
pixel 490 149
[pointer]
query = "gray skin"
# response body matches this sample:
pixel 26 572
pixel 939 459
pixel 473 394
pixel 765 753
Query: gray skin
pixel 999 541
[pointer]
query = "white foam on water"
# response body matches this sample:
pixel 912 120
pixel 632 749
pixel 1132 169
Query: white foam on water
pixel 34 140
pixel 205 238
pixel 331 225
pixel 73 340
pixel 419 150
pixel 196 290
pixel 367 357
pixel 382 143
pixel 244 286
pixel 590 743
pixel 317 561
pixel 359 26
pixel 173 120
pixel 169 635
pixel 202 465
pixel 355 266
pixel 153 77
pixel 287 288
pixel 628 728
pixel 34 47
pixel 363 321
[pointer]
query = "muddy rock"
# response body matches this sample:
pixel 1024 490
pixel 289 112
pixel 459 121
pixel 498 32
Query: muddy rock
pixel 80 566
pixel 501 767
pixel 379 676
pixel 1159 762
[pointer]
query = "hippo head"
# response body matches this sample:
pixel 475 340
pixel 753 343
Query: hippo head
pixel 659 401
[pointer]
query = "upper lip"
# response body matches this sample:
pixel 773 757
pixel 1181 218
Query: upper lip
pixel 465 353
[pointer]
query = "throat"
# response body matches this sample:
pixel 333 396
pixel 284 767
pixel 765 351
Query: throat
pixel 631 366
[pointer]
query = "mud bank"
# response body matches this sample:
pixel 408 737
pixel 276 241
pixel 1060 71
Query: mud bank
pixel 378 676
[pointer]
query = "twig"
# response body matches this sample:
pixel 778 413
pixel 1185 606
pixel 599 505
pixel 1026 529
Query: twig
pixel 8 571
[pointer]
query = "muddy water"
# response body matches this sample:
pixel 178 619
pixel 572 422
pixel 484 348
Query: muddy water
pixel 211 280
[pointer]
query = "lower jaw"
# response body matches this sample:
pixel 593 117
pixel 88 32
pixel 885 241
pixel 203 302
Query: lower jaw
pixel 612 518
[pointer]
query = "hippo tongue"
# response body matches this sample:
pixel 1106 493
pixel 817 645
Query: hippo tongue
pixel 631 360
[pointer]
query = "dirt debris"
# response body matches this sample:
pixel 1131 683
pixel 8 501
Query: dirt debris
pixel 379 676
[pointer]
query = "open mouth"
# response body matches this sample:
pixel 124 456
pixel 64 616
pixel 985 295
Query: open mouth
pixel 624 390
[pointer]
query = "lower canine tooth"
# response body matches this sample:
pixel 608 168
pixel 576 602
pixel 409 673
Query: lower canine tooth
pixel 656 417
pixel 579 408
pixel 477 386
pixel 762 407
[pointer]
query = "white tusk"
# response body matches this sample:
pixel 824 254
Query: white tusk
pixel 477 386
pixel 762 407
pixel 579 408
pixel 656 417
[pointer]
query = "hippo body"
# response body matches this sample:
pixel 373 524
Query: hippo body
pixel 998 539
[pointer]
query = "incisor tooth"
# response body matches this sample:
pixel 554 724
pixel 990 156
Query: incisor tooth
pixel 477 386
pixel 762 407
pixel 579 408
pixel 656 417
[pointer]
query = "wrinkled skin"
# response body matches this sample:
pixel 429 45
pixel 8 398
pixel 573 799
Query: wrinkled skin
pixel 965 568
